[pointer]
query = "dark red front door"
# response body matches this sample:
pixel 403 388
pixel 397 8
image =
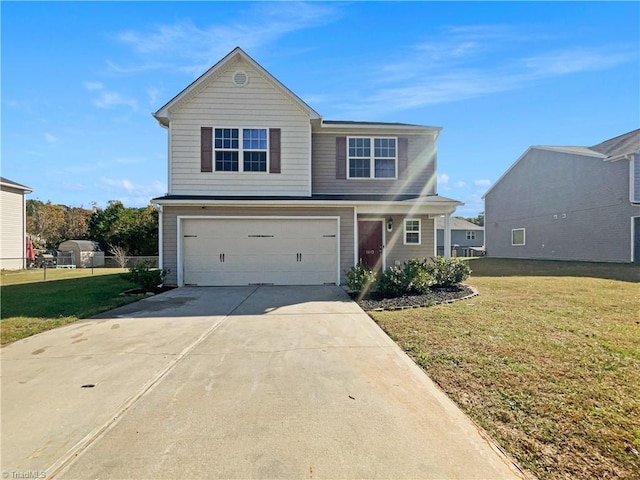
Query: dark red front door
pixel 370 243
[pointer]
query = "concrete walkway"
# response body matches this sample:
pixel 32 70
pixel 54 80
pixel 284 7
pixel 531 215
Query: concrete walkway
pixel 238 382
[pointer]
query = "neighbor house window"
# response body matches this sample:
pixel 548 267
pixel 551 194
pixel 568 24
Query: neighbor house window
pixel 411 232
pixel 471 235
pixel 229 149
pixel 371 157
pixel 517 236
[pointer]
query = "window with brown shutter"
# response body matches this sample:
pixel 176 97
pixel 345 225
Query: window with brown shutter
pixel 274 150
pixel 341 158
pixel 403 154
pixel 206 149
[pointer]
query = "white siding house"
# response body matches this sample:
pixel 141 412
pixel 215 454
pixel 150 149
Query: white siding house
pixel 12 224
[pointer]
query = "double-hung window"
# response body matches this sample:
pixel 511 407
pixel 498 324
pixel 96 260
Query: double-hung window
pixel 372 157
pixel 235 155
pixel 471 235
pixel 412 232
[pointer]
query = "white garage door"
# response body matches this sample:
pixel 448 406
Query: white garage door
pixel 241 251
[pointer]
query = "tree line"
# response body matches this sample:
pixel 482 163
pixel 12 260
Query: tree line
pixel 133 229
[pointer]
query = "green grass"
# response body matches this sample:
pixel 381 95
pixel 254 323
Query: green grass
pixel 545 359
pixel 30 306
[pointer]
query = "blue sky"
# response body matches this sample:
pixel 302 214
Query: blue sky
pixel 80 80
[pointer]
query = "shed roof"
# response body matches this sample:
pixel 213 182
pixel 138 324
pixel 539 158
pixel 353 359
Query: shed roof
pixel 83 245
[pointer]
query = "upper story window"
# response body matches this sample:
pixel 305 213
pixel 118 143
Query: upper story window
pixel 233 155
pixel 372 157
pixel 471 235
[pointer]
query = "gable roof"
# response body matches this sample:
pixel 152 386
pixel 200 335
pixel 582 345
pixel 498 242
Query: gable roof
pixel 162 115
pixel 613 149
pixel 5 182
pixel 457 224
pixel 626 144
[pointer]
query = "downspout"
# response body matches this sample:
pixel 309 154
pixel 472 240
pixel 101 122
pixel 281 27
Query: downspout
pixel 160 238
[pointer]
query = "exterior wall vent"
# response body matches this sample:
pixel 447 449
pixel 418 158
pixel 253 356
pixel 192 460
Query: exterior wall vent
pixel 240 78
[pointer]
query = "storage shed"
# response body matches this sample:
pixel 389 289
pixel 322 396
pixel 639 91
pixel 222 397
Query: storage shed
pixel 85 253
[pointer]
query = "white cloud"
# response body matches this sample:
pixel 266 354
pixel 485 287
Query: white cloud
pixel 124 187
pixel 443 178
pixel 50 138
pixel 482 183
pixel 472 61
pixel 460 184
pixel 195 48
pixel 108 99
pixel 93 86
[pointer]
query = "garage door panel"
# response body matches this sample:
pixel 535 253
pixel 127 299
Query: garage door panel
pixel 238 251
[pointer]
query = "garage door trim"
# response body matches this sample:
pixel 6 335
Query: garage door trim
pixel 181 218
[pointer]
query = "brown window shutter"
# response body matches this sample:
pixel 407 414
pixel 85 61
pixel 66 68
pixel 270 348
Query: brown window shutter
pixel 341 158
pixel 274 150
pixel 403 154
pixel 206 149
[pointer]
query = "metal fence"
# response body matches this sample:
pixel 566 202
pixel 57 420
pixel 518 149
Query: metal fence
pixel 66 261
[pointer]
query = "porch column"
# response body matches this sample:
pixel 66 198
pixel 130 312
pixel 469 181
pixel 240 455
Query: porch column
pixel 447 236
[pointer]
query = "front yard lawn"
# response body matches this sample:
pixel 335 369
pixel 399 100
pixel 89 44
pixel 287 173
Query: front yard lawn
pixel 33 307
pixel 545 361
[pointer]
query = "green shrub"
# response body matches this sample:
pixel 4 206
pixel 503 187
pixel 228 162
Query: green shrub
pixel 448 272
pixel 146 276
pixel 417 279
pixel 391 282
pixel 360 279
pixel 412 278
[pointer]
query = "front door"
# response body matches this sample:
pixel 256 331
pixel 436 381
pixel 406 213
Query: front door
pixel 370 243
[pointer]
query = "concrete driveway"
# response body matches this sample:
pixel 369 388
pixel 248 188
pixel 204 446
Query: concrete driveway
pixel 237 382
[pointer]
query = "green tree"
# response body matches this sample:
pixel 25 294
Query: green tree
pixel 134 229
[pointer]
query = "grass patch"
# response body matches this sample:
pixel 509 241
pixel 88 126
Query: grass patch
pixel 13 277
pixel 546 361
pixel 30 307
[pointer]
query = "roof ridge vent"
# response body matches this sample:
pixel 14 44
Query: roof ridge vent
pixel 240 78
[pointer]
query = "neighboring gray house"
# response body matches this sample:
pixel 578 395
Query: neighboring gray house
pixel 13 222
pixel 568 203
pixel 467 239
pixel 263 190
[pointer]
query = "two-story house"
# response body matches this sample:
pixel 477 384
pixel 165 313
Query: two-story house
pixel 467 239
pixel 263 190
pixel 568 203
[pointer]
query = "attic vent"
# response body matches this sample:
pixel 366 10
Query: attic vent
pixel 240 78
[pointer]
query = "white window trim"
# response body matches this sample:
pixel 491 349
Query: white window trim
pixel 471 235
pixel 634 193
pixel 372 160
pixel 524 237
pixel 240 150
pixel 419 232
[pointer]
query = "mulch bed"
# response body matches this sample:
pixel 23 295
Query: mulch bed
pixel 376 302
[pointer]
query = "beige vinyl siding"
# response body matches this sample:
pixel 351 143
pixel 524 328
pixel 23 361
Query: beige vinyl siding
pixel 418 178
pixel 395 250
pixel 11 229
pixel 171 213
pixel 259 104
